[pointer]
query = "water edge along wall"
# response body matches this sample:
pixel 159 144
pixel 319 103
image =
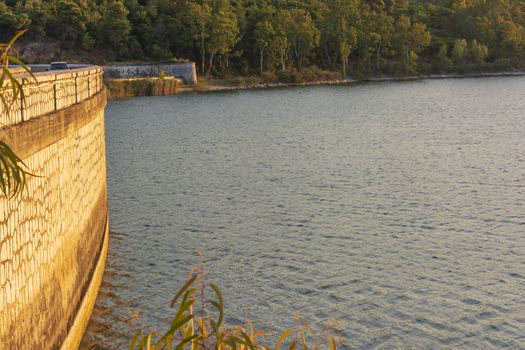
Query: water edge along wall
pixel 54 236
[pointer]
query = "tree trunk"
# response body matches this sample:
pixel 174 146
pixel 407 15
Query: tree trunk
pixel 378 55
pixel 262 53
pixel 297 57
pixel 203 51
pixel 210 66
pixel 327 55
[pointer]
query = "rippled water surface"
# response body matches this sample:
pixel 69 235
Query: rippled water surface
pixel 392 212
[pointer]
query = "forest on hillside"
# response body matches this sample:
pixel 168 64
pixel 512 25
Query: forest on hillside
pixel 247 37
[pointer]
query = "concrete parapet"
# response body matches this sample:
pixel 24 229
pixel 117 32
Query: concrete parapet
pixel 50 91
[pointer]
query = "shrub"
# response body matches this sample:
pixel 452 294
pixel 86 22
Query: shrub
pixel 269 77
pixel 314 73
pixel 290 76
pixel 504 64
pixel 441 61
pixel 119 88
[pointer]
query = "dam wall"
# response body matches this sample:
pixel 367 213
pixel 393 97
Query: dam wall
pixel 54 235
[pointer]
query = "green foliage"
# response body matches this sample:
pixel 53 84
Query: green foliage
pixel 411 38
pixel 13 171
pixel 232 37
pixel 375 37
pixel 302 35
pixel 113 29
pixel 11 20
pixel 224 31
pixel 199 325
pixel 121 88
pixel 478 52
pixel 69 24
pixel 459 51
pixel 264 35
pixel 442 61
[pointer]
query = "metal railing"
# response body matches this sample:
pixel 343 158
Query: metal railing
pixel 49 92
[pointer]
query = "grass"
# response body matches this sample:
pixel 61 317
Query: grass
pixel 120 88
pixel 292 76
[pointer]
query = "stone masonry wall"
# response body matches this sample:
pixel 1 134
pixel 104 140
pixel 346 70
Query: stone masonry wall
pixel 51 236
pixel 182 70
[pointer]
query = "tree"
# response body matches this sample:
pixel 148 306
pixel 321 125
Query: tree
pixel 442 61
pixel 264 34
pixel 459 51
pixel 224 30
pixel 245 35
pixel 341 18
pixel 10 22
pixel 302 35
pixel 201 15
pixel 375 33
pixel 510 36
pixel 280 45
pixel 68 22
pixel 113 30
pixel 411 39
pixel 347 38
pixel 478 52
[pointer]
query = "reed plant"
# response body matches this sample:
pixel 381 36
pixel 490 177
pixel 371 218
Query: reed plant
pixel 13 171
pixel 199 325
pixel 8 81
pixel 153 86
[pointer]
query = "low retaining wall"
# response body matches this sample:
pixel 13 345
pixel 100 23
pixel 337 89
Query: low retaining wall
pixel 53 237
pixel 184 70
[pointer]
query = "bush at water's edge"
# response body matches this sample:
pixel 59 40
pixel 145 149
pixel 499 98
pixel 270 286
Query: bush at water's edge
pixel 120 88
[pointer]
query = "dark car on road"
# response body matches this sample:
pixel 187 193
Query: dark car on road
pixel 58 66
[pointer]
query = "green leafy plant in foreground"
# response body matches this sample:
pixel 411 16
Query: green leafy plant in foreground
pixel 207 330
pixel 13 172
pixel 8 81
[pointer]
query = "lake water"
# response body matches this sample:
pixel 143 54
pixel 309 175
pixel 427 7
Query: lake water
pixel 393 213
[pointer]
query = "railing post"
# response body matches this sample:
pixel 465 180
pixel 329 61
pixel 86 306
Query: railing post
pixel 22 102
pixel 76 87
pixel 55 92
pixel 100 75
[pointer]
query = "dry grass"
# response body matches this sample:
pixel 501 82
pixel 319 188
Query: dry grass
pixel 121 88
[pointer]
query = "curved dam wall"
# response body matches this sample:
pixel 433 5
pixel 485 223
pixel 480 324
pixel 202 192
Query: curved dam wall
pixel 53 237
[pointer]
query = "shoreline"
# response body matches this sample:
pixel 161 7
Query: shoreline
pixel 214 86
pixel 351 80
